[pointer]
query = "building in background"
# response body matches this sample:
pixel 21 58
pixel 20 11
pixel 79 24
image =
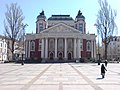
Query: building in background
pixel 6 45
pixel 114 48
pixel 3 49
pixel 60 37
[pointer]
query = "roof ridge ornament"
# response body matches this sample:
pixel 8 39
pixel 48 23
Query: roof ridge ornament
pixel 79 15
pixel 42 13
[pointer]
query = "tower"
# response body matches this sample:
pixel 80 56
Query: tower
pixel 41 22
pixel 80 22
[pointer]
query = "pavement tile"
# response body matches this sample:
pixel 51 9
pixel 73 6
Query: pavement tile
pixel 44 87
pixel 60 76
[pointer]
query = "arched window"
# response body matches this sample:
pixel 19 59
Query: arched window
pixel 88 46
pixel 70 45
pixel 51 45
pixel 32 45
pixel 60 45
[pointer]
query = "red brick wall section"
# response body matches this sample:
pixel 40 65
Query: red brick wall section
pixel 88 54
pixel 36 54
pixel 36 45
pixel 83 53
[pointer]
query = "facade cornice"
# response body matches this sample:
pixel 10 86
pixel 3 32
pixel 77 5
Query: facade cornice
pixel 60 35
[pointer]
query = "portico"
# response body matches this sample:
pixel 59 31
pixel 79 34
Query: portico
pixel 65 53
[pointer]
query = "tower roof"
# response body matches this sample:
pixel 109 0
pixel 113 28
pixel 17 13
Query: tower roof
pixel 60 17
pixel 41 15
pixel 79 15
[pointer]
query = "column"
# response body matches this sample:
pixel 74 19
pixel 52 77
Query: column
pixel 78 50
pixel 74 47
pixel 29 49
pixel 92 49
pixel 94 42
pixel 46 48
pixel 65 50
pixel 42 51
pixel 26 49
pixel 55 47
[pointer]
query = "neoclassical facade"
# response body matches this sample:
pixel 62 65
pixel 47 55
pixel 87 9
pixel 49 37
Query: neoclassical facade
pixel 60 37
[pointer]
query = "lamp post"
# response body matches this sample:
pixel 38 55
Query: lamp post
pixel 98 52
pixel 23 50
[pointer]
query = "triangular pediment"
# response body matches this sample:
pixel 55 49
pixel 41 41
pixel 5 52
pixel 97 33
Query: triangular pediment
pixel 61 28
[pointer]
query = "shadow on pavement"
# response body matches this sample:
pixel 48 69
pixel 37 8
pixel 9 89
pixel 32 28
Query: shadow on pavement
pixel 99 78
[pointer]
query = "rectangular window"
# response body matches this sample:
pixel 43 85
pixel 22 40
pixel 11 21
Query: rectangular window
pixel 5 45
pixel 5 51
pixel 0 44
pixel 81 44
pixel 40 45
pixel 41 26
pixel 81 27
pixel 0 49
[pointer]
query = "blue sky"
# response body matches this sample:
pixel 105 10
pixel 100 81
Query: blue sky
pixel 32 8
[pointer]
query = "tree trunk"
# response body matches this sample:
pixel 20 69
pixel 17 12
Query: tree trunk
pixel 105 43
pixel 12 50
pixel 105 51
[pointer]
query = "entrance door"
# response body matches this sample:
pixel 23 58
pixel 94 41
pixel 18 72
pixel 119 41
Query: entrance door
pixel 51 56
pixel 69 56
pixel 60 56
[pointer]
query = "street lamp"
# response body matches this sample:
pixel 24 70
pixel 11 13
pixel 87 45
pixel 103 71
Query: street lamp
pixel 23 50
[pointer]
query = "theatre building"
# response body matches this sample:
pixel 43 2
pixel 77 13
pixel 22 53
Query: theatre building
pixel 60 37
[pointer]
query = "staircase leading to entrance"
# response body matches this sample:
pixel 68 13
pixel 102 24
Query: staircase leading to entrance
pixel 59 61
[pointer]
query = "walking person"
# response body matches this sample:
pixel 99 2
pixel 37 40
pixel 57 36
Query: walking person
pixel 106 62
pixel 103 69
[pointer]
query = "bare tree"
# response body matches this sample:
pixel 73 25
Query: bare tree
pixel 105 23
pixel 13 24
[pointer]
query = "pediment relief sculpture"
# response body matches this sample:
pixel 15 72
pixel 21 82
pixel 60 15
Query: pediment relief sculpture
pixel 61 29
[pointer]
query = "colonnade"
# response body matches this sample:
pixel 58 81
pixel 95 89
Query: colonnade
pixel 76 48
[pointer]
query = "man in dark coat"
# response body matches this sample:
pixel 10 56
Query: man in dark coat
pixel 103 69
pixel 106 63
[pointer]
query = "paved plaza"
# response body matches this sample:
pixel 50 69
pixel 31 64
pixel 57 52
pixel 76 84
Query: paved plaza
pixel 60 76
